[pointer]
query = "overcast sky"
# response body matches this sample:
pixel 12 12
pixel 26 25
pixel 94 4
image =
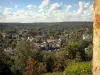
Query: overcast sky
pixel 28 11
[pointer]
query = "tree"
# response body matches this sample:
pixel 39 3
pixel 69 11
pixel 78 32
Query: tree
pixel 59 63
pixel 23 50
pixel 5 61
pixel 89 52
pixel 32 67
pixel 83 44
pixel 49 64
pixel 72 49
pixel 1 47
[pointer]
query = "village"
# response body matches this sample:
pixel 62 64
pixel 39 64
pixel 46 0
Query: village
pixel 41 40
pixel 52 47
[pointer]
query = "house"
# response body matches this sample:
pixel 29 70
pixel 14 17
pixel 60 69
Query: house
pixel 51 44
pixel 87 36
pixel 30 38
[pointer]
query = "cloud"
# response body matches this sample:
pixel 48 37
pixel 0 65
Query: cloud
pixel 44 4
pixel 84 12
pixel 31 7
pixel 82 7
pixel 67 7
pixel 7 11
pixel 56 12
pixel 55 7
pixel 20 16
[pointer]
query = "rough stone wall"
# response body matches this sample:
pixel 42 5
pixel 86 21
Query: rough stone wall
pixel 96 38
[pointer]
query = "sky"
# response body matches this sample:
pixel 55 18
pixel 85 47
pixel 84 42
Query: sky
pixel 30 11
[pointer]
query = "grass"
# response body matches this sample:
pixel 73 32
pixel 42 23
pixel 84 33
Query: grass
pixel 54 73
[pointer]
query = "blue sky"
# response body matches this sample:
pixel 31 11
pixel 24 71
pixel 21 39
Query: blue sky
pixel 37 2
pixel 45 10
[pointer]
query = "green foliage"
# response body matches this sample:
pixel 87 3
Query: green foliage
pixel 72 49
pixel 83 44
pixel 23 50
pixel 46 55
pixel 3 57
pixel 5 61
pixel 61 55
pixel 55 61
pixel 80 68
pixel 78 57
pixel 49 64
pixel 54 73
pixel 60 63
pixel 89 52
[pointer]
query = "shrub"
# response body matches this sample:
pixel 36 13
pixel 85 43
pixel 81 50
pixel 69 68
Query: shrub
pixel 80 68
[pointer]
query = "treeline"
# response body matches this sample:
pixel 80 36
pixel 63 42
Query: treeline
pixel 58 25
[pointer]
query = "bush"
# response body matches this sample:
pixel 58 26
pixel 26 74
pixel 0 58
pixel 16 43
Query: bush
pixel 80 68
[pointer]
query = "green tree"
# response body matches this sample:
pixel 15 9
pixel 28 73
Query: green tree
pixel 72 49
pixel 89 52
pixel 83 44
pixel 23 50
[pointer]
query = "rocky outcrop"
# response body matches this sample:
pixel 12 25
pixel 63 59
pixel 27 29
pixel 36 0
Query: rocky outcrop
pixel 96 38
